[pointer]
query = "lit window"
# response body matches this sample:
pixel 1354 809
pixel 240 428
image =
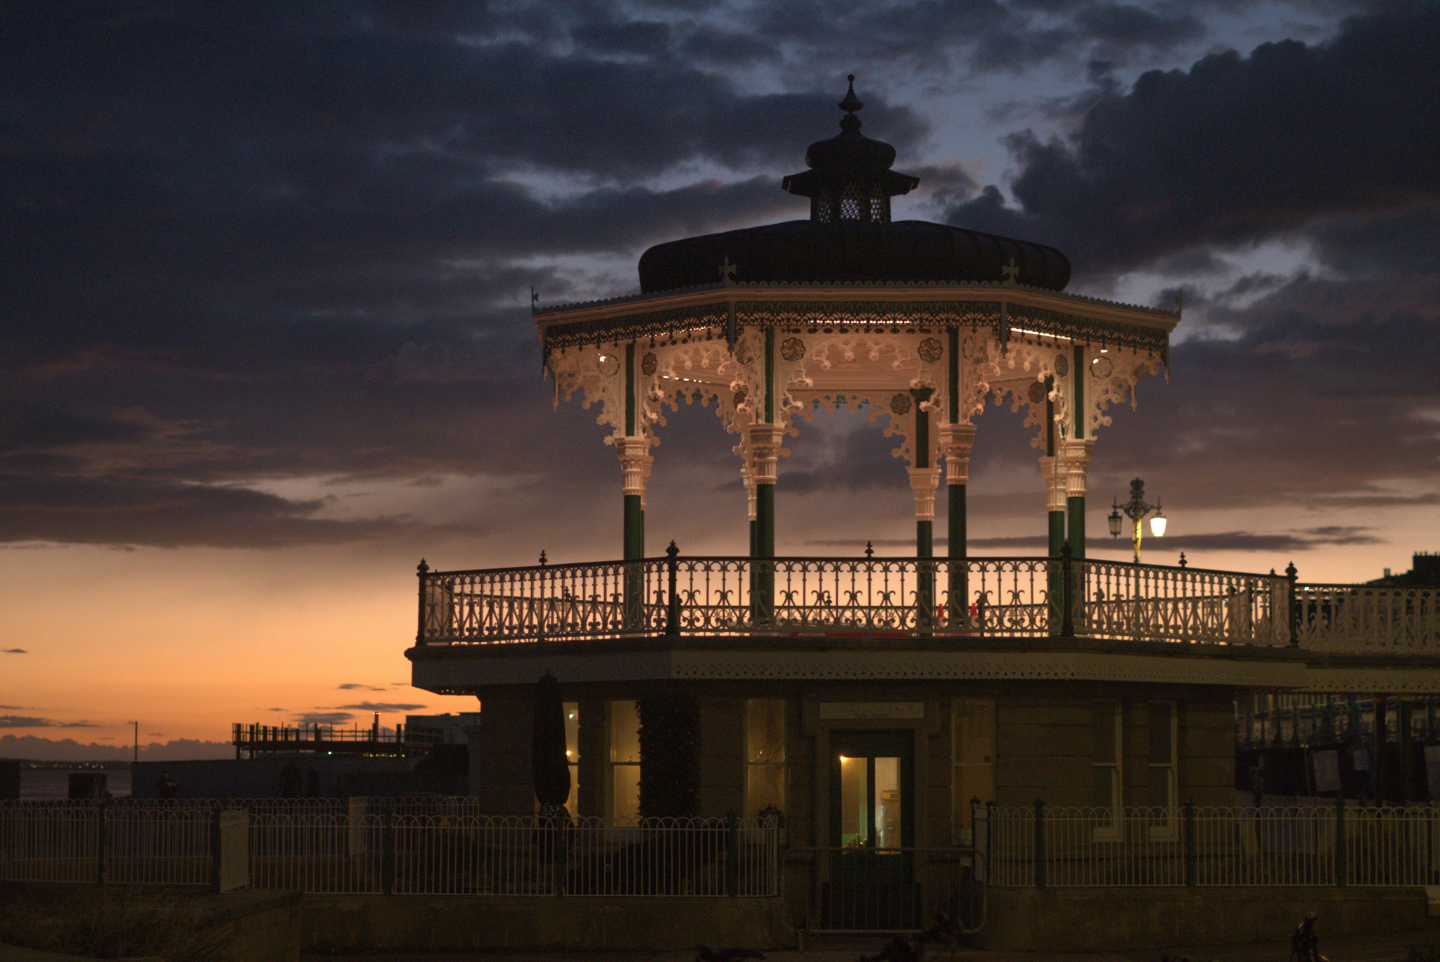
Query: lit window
pixel 764 755
pixel 624 759
pixel 572 754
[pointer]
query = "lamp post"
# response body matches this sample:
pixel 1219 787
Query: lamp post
pixel 1136 509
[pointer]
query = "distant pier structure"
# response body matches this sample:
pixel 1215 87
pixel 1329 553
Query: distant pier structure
pixel 254 740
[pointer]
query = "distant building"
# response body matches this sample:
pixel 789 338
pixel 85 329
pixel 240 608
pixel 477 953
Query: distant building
pixel 1424 573
pixel 447 729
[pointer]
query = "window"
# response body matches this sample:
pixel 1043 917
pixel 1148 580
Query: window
pixel 1105 761
pixel 1162 769
pixel 624 759
pixel 972 752
pixel 764 755
pixel 572 754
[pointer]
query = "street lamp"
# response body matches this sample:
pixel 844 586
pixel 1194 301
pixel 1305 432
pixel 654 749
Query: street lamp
pixel 1136 509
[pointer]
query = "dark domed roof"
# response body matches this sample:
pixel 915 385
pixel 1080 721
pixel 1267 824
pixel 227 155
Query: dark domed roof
pixel 803 251
pixel 849 237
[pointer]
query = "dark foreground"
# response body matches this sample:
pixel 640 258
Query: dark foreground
pixel 1361 948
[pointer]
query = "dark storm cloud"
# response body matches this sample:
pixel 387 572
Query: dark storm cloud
pixel 29 721
pixel 14 651
pixel 383 706
pixel 1237 149
pixel 1121 23
pixel 167 515
pixel 1324 397
pixel 322 717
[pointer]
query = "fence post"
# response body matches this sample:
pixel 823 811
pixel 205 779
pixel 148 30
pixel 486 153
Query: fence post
pixel 672 615
pixel 387 852
pixel 1190 866
pixel 100 842
pixel 1067 593
pixel 1039 844
pixel 215 848
pixel 732 855
pixel 1340 866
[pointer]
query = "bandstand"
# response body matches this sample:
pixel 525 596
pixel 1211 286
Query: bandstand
pixel 869 702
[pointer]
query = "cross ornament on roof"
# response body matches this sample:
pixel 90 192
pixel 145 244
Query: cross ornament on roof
pixel 1010 272
pixel 727 271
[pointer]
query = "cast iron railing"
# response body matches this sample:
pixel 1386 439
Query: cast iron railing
pixel 834 597
pixel 1367 617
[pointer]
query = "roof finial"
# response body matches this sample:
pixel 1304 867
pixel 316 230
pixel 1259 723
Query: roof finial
pixel 850 104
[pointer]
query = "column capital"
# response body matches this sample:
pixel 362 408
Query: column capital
pixel 1052 469
pixel 1077 455
pixel 955 443
pixel 635 464
pixel 765 450
pixel 924 481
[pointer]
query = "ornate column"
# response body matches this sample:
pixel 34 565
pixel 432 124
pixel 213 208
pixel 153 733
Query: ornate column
pixel 1077 456
pixel 764 453
pixel 747 478
pixel 955 443
pixel 765 442
pixel 1052 469
pixel 635 464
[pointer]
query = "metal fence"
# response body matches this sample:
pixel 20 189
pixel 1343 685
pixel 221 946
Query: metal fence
pixel 390 846
pixel 1321 844
pixel 975 597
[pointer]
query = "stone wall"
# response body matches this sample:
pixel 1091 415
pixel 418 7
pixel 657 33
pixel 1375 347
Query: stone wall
pixel 1118 919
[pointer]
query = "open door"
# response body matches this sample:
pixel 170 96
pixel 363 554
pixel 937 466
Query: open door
pixel 871 871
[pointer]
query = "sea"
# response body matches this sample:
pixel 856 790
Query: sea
pixel 55 782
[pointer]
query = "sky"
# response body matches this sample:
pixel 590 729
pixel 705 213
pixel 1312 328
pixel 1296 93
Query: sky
pixel 266 343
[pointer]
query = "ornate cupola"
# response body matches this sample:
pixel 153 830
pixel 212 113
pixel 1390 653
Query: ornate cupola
pixel 850 177
pixel 849 238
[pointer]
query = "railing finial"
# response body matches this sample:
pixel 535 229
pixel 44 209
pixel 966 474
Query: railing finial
pixel 422 567
pixel 543 561
pixel 869 550
pixel 1183 562
pixel 1291 571
pixel 672 552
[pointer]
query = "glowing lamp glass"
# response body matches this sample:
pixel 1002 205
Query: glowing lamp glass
pixel 1157 526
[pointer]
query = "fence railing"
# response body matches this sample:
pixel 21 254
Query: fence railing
pixel 1010 597
pixel 1211 846
pixel 390 846
pixel 1367 617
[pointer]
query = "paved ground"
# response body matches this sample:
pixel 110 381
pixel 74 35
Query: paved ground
pixel 1368 948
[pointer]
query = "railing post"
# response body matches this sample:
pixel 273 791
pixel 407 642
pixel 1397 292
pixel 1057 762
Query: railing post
pixel 1340 866
pixel 387 851
pixel 1039 844
pixel 101 855
pixel 672 614
pixel 1290 573
pixel 1190 863
pixel 422 569
pixel 1067 623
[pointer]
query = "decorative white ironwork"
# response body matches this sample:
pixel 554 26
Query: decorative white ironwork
pixel 1367 618
pixel 1004 597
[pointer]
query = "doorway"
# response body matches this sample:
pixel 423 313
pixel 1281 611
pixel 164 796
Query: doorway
pixel 871 876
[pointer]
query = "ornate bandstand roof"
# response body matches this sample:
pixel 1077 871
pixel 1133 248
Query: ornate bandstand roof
pixel 850 265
